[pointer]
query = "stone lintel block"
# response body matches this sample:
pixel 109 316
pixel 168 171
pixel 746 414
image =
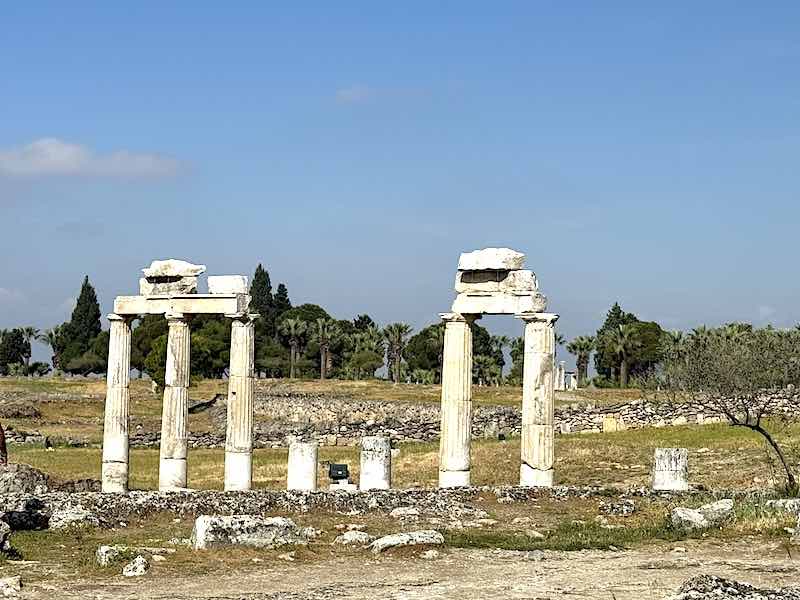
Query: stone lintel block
pixel 227 284
pixel 173 268
pixel 223 304
pixel 520 282
pixel 165 286
pixel 501 259
pixel 499 303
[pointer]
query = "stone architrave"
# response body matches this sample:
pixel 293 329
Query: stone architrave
pixel 456 428
pixel 491 259
pixel 538 433
pixel 175 410
pixel 302 466
pixel 115 430
pixel 241 381
pixel 376 463
pixel 671 469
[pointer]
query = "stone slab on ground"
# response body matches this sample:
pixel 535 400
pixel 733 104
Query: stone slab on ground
pixel 708 515
pixel 246 530
pixel 423 537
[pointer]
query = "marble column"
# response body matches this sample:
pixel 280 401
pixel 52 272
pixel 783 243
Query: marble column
pixel 115 430
pixel 175 409
pixel 241 380
pixel 671 469
pixel 538 398
pixel 456 427
pixel 376 463
pixel 562 376
pixel 301 471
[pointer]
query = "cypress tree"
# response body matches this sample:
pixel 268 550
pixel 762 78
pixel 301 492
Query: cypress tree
pixel 261 293
pixel 281 301
pixel 85 321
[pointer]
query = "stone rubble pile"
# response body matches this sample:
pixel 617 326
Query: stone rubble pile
pixel 710 587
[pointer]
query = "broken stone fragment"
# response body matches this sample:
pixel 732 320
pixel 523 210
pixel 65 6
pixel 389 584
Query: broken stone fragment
pixel 512 282
pixel 247 530
pixel 173 268
pixel 137 567
pixel 491 259
pixel 73 516
pixel 10 587
pixel 162 286
pixel 412 538
pixel 227 284
pixel 708 515
pixel 353 537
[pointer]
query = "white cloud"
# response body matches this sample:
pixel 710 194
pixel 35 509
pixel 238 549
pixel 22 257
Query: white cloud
pixel 55 157
pixel 355 94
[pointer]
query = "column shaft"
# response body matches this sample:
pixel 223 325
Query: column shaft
pixel 241 379
pixel 456 427
pixel 537 450
pixel 175 409
pixel 115 430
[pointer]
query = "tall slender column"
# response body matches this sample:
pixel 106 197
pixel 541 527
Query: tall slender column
pixel 115 430
pixel 538 397
pixel 241 377
pixel 456 428
pixel 175 410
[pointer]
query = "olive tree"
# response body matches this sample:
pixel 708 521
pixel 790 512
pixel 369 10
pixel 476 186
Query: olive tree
pixel 748 376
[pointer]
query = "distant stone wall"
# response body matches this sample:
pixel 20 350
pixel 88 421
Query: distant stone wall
pixel 281 418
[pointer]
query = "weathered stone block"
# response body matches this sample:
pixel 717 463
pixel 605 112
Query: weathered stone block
pixel 499 303
pixel 164 286
pixel 227 284
pixel 511 282
pixel 246 530
pixel 500 259
pixel 412 538
pixel 173 268
pixel 671 469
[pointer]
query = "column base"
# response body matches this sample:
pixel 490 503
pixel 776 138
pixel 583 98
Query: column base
pixel 172 474
pixel 530 477
pixel 115 478
pixel 238 471
pixel 448 479
pixel 670 481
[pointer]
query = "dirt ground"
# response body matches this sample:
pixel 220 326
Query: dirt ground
pixel 652 572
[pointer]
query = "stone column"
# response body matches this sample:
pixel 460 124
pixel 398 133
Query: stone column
pixel 456 428
pixel 115 431
pixel 671 469
pixel 302 468
pixel 175 410
pixel 376 463
pixel 562 376
pixel 538 397
pixel 241 380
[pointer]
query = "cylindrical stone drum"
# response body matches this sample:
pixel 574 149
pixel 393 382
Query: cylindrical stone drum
pixel 302 468
pixel 671 469
pixel 376 463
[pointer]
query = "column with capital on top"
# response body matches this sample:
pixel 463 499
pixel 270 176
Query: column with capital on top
pixel 115 429
pixel 241 382
pixel 456 428
pixel 175 409
pixel 538 396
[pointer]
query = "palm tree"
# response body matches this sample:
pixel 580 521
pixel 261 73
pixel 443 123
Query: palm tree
pixel 52 337
pixel 582 347
pixel 700 335
pixel 30 334
pixel 622 342
pixel 485 370
pixel 325 333
pixel 294 329
pixel 396 336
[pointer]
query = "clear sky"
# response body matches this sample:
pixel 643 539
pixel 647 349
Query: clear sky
pixel 640 152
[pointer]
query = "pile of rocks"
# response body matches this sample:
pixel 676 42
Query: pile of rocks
pixel 709 587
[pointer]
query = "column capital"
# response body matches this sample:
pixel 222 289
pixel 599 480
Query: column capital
pixel 245 317
pixel 115 317
pixel 177 317
pixel 537 317
pixel 453 317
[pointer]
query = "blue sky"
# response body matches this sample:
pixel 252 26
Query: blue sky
pixel 640 153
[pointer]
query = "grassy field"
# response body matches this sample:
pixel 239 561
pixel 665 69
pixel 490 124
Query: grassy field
pixel 720 457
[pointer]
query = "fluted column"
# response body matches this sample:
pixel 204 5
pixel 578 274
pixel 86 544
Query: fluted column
pixel 456 428
pixel 241 379
pixel 175 410
pixel 115 429
pixel 538 397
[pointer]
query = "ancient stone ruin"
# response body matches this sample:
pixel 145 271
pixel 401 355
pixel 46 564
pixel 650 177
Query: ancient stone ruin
pixel 169 288
pixel 493 281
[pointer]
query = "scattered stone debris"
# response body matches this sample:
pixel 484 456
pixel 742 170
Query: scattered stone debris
pixel 709 587
pixel 405 512
pixel 137 567
pixel 247 530
pixel 5 530
pixel 708 515
pixel 10 586
pixel 412 538
pixel 622 508
pixel 430 554
pixel 22 479
pixel 354 537
pixel 106 555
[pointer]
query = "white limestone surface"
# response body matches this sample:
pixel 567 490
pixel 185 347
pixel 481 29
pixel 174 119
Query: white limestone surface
pixel 173 268
pixel 227 284
pixel 501 259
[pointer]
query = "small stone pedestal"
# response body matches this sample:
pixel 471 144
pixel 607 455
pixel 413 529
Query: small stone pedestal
pixel 302 468
pixel 671 469
pixel 376 463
